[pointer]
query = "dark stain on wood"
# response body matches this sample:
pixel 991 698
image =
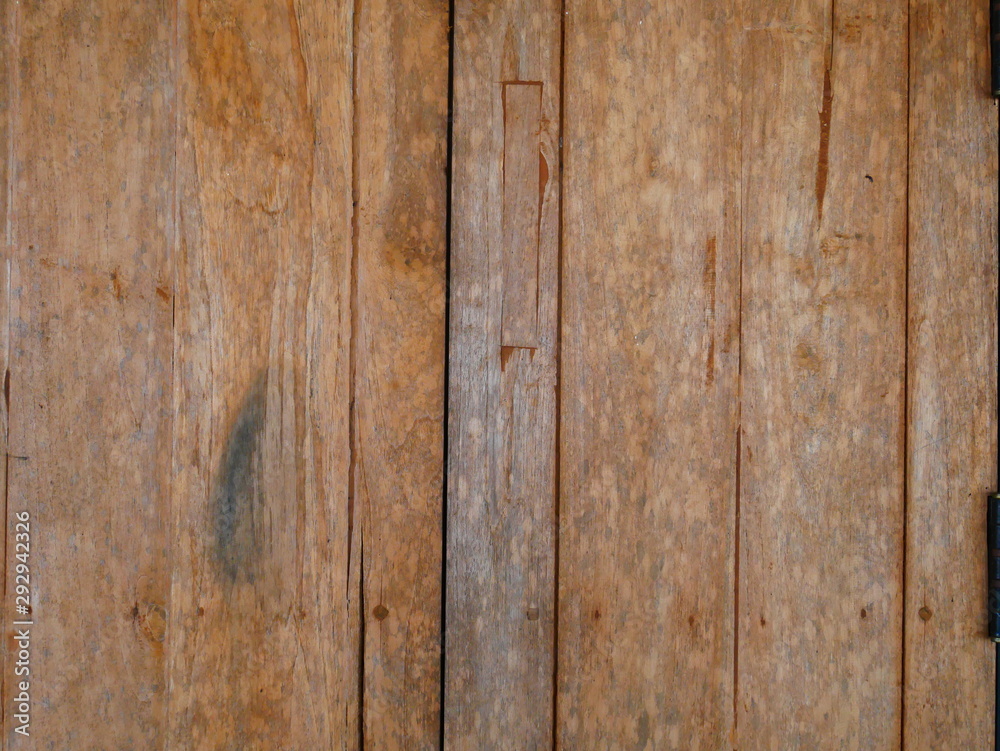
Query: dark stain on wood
pixel 543 181
pixel 238 497
pixel 505 353
pixel 823 163
pixel 117 286
pixel 708 280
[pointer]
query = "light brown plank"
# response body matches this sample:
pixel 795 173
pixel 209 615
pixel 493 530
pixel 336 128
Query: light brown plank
pixel 500 610
pixel 824 272
pixel 951 456
pixel 91 108
pixel 264 614
pixel 402 100
pixel 649 375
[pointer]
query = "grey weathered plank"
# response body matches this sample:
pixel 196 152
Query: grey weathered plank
pixel 500 610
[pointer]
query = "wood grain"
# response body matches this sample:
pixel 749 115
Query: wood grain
pixel 401 146
pixel 522 111
pixel 822 447
pixel 8 62
pixel 952 428
pixel 265 621
pixel 649 375
pixel 500 609
pixel 693 409
pixel 91 106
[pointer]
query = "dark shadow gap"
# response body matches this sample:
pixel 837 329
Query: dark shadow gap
pixel 737 480
pixel 996 667
pixel 558 405
pixel 352 429
pixel 906 390
pixel 447 361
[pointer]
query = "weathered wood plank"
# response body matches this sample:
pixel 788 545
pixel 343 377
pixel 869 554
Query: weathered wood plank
pixel 500 610
pixel 91 108
pixel 9 684
pixel 824 273
pixel 952 429
pixel 649 375
pixel 265 626
pixel 401 141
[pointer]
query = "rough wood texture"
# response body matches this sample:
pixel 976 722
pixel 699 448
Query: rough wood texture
pixel 649 375
pixel 8 62
pixel 522 111
pixel 951 457
pixel 187 345
pixel 222 338
pixel 824 247
pixel 402 100
pixel 500 611
pixel 91 107
pixel 265 625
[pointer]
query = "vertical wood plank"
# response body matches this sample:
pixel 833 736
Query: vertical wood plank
pixel 824 153
pixel 951 457
pixel 91 108
pixel 402 100
pixel 8 63
pixel 265 622
pixel 502 424
pixel 649 369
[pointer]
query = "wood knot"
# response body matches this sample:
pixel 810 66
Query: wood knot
pixel 150 619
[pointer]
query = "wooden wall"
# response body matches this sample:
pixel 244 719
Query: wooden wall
pixel 499 374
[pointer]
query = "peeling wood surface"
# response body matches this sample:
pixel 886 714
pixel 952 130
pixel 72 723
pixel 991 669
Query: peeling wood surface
pixel 721 395
pixel 952 416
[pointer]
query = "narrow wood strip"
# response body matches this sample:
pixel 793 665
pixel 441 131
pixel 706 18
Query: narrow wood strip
pixel 401 145
pixel 265 628
pixel 649 375
pixel 523 185
pixel 90 369
pixel 9 683
pixel 500 610
pixel 824 243
pixel 952 416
